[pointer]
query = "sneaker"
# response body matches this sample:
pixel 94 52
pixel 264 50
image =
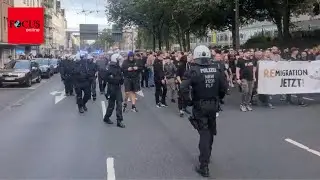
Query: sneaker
pixel 134 109
pixel 217 114
pixel 164 105
pixel 243 108
pixel 85 108
pixel 181 113
pixel 302 104
pixel 249 108
pixel 173 100
pixel 158 105
pixel 270 106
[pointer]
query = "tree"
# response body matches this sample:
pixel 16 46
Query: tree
pixel 104 39
pixel 281 11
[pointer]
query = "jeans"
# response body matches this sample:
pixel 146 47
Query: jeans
pixel 247 88
pixel 151 77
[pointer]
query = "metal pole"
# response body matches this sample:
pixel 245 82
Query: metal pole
pixel 237 24
pixel 132 40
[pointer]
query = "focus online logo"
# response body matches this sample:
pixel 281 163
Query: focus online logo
pixel 28 25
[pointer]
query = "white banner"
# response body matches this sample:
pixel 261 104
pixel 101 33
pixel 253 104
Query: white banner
pixel 283 77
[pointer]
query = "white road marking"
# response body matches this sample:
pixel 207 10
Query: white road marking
pixel 104 110
pixel 59 98
pixel 305 98
pixel 110 169
pixel 303 146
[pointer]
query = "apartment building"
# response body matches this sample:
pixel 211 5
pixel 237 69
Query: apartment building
pixel 6 49
pixel 55 28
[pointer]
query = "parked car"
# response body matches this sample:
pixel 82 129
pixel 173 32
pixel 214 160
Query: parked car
pixel 55 64
pixel 22 72
pixel 45 66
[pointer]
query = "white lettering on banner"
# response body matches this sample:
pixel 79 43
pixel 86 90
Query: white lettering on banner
pixel 285 77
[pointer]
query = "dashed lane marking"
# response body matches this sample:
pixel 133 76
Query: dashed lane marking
pixel 303 147
pixel 103 106
pixel 110 169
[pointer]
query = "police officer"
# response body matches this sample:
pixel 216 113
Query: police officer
pixel 115 79
pixel 81 78
pixel 93 69
pixel 66 70
pixel 102 67
pixel 208 87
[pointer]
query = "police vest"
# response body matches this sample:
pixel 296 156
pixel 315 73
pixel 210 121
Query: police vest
pixel 205 81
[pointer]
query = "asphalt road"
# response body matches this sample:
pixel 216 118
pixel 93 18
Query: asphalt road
pixel 43 140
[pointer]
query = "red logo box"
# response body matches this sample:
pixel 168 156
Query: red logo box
pixel 26 25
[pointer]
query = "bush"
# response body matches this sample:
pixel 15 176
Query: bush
pixel 260 42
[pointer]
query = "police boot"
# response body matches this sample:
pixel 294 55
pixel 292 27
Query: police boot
pixel 203 170
pixel 85 108
pixel 120 124
pixel 80 108
pixel 108 121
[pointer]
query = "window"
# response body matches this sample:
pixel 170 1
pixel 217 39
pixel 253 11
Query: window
pixel 24 1
pixel 5 21
pixel 28 3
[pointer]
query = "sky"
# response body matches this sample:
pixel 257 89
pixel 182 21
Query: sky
pixel 75 16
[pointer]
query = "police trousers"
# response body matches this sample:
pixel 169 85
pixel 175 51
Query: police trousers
pixel 93 86
pixel 205 113
pixel 83 94
pixel 115 99
pixel 68 86
pixel 102 82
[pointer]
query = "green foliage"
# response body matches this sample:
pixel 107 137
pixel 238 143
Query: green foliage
pixel 260 42
pixel 168 20
pixel 104 40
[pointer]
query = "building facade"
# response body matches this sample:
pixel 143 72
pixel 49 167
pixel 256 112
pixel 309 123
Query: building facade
pixel 6 49
pixel 55 28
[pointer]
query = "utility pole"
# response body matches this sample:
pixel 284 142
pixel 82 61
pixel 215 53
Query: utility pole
pixel 237 24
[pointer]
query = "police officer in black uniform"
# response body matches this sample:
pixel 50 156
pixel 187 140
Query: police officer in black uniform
pixel 115 79
pixel 66 70
pixel 102 68
pixel 208 87
pixel 93 69
pixel 81 76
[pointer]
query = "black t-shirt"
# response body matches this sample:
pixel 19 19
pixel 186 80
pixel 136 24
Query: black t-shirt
pixel 232 63
pixel 246 68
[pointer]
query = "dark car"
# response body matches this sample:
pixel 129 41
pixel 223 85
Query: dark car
pixel 55 65
pixel 22 72
pixel 45 66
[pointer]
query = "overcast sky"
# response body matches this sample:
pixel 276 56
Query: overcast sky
pixel 75 16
